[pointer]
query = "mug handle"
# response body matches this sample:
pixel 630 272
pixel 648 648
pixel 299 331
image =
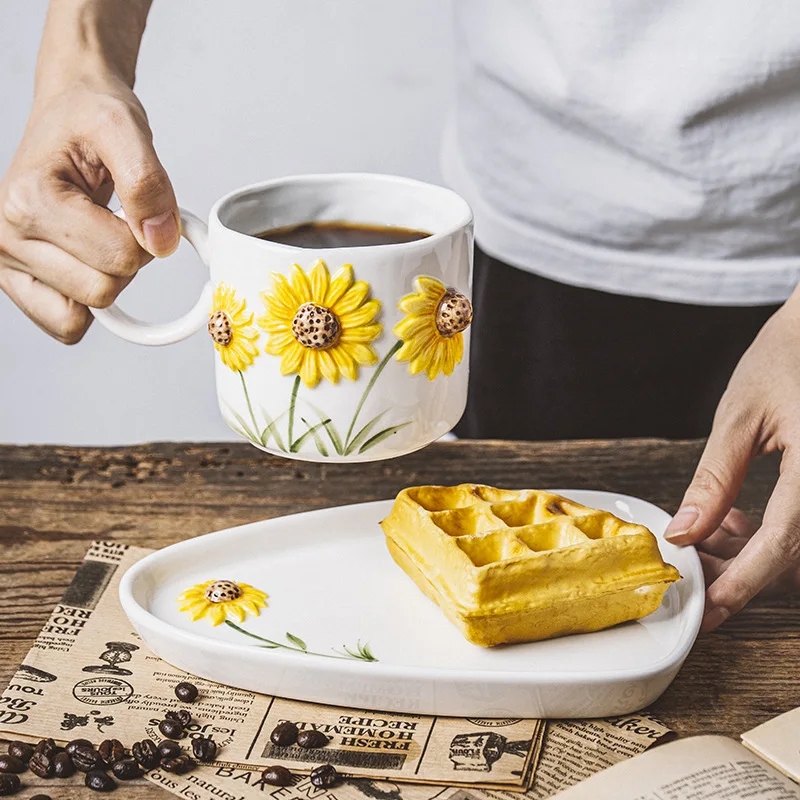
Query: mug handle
pixel 195 231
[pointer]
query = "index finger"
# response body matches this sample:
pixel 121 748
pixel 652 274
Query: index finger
pixel 774 548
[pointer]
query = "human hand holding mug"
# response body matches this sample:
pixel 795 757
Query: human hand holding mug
pixel 350 353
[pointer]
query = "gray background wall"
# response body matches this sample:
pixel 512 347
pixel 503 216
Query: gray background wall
pixel 236 92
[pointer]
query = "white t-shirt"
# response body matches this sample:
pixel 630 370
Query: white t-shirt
pixel 642 147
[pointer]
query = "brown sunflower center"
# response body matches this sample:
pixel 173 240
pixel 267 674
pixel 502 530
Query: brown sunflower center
pixel 315 326
pixel 223 592
pixel 221 328
pixel 453 314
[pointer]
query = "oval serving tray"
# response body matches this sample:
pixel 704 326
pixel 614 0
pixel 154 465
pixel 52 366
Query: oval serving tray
pixel 334 588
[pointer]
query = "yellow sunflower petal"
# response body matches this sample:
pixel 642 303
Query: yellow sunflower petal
pixel 418 305
pixel 362 315
pixel 301 284
pixel 362 354
pixel 328 366
pixel 235 608
pixel 273 324
pixel 342 281
pixel 432 287
pixel 284 293
pixel 320 278
pixel 411 327
pixel 363 333
pixel 195 592
pixel 217 614
pixel 448 357
pixel 278 342
pixel 252 593
pixel 419 344
pixel 292 359
pixel 309 370
pixel 352 299
pixel 423 358
pixel 451 356
pixel 250 606
pixel 200 612
pixel 347 366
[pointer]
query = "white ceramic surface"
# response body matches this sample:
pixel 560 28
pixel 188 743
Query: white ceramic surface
pixel 413 410
pixel 332 582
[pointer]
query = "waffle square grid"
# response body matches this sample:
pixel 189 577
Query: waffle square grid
pixel 508 565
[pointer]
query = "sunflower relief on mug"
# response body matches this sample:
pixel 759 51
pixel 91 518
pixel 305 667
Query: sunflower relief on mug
pixel 339 311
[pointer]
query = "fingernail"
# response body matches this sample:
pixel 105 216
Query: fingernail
pixel 161 234
pixel 681 522
pixel 714 618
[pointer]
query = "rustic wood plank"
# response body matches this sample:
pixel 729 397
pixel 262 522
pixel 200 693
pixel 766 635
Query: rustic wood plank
pixel 55 500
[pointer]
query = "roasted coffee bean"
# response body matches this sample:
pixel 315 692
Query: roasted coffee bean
pixel 76 743
pixel 277 776
pixel 98 781
pixel 9 784
pixel 127 770
pixel 111 750
pixel 324 776
pixel 87 758
pixel 63 766
pixel 41 765
pixel 186 692
pixel 311 739
pixel 146 753
pixel 11 764
pixel 204 749
pixel 21 750
pixel 169 749
pixel 41 797
pixel 171 728
pixel 179 765
pixel 284 734
pixel 181 715
pixel 47 746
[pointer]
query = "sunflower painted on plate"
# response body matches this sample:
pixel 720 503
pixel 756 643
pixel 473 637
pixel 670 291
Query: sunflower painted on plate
pixel 230 326
pixel 320 327
pixel 220 599
pixel 432 331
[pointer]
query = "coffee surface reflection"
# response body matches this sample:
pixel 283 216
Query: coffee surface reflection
pixel 340 234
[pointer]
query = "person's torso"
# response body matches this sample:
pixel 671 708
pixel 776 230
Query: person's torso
pixel 667 127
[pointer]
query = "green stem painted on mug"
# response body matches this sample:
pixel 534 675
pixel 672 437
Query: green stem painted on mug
pixel 292 404
pixel 247 397
pixel 371 383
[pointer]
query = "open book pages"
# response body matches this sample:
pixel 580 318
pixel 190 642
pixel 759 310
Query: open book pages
pixel 778 743
pixel 702 767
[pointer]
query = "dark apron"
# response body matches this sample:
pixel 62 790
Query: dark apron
pixel 552 361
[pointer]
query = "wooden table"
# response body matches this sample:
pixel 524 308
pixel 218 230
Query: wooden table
pixel 55 500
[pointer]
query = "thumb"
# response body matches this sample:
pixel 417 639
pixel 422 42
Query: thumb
pixel 142 184
pixel 717 480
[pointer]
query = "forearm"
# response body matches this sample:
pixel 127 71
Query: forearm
pixel 89 38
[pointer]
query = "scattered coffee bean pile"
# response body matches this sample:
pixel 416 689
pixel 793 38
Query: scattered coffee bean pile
pixel 286 734
pixel 48 760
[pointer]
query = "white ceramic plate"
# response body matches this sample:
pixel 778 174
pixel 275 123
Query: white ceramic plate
pixel 332 583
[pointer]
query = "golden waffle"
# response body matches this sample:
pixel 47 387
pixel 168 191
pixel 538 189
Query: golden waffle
pixel 519 566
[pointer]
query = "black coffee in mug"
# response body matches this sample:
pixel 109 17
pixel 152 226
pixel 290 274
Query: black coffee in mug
pixel 316 235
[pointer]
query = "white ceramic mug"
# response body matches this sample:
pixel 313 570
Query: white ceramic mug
pixel 335 354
